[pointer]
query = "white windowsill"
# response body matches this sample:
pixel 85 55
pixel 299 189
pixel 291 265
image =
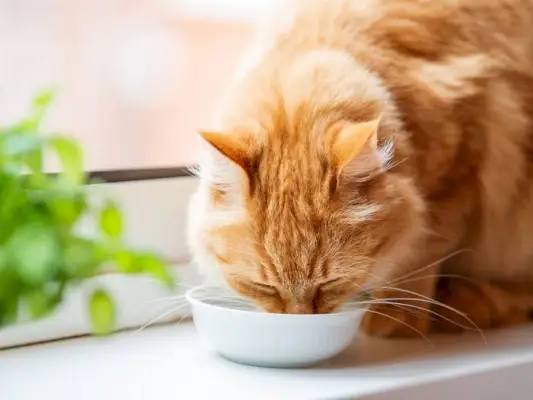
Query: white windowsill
pixel 140 301
pixel 171 362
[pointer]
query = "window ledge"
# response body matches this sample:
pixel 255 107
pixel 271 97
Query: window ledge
pixel 140 301
pixel 171 362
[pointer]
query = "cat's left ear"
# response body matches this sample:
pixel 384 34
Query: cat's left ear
pixel 355 150
pixel 234 147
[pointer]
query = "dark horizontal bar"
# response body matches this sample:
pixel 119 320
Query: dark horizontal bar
pixel 131 175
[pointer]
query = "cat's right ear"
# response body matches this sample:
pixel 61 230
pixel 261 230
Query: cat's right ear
pixel 355 150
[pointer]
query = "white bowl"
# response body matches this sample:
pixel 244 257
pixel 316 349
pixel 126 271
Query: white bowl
pixel 241 333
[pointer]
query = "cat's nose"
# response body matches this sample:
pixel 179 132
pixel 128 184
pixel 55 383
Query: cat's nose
pixel 299 308
pixel 299 300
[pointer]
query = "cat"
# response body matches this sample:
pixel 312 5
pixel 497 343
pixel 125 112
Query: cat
pixel 381 150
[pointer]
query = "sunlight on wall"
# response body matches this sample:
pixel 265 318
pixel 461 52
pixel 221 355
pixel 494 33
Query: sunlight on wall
pixel 148 64
pixel 229 10
pixel 135 78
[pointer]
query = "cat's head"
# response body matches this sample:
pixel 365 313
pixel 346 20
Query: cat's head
pixel 301 213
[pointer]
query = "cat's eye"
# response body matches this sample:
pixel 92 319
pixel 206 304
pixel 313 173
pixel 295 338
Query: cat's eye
pixel 331 294
pixel 264 288
pixel 266 296
pixel 253 289
pixel 332 284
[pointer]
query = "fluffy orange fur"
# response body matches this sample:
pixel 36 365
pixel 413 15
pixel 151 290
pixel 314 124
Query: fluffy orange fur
pixel 373 146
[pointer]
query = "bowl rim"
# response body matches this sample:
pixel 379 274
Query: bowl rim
pixel 192 300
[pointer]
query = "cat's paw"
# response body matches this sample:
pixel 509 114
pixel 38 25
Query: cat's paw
pixel 398 321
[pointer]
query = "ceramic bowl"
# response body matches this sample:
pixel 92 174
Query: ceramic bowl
pixel 241 333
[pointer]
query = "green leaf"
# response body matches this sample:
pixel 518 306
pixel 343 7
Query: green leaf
pixel 34 250
pixel 102 313
pixel 43 100
pixel 111 221
pixel 81 259
pixel 8 311
pixel 151 264
pixel 105 249
pixel 14 205
pixel 40 249
pixel 125 261
pixel 30 124
pixel 41 302
pixel 71 156
pixel 24 149
pixel 10 284
pixel 3 260
pixel 40 104
pixel 34 161
pixel 67 209
pixel 20 145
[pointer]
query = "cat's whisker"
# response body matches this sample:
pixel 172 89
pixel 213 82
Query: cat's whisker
pixel 224 298
pixel 357 305
pixel 207 290
pixel 432 232
pixel 428 266
pixel 432 301
pixel 168 299
pixel 392 302
pixel 194 170
pixel 378 278
pixel 173 301
pixel 185 316
pixel 420 297
pixel 187 286
pixel 222 292
pixel 402 323
pixel 390 166
pixel 160 317
pixel 228 300
pixel 437 276
pixel 183 303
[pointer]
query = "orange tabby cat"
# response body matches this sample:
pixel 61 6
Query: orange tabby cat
pixel 373 147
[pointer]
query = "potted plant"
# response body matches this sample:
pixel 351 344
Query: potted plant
pixel 43 251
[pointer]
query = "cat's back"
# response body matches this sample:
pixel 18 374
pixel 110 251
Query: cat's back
pixel 403 41
pixel 429 54
pixel 414 28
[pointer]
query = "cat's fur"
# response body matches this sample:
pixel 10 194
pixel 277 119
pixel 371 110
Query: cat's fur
pixel 366 141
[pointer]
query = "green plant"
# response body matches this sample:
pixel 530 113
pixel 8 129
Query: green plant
pixel 42 250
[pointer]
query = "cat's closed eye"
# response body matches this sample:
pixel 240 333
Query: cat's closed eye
pixel 264 295
pixel 332 294
pixel 310 298
pixel 264 288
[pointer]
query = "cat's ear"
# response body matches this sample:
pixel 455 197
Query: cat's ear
pixel 234 147
pixel 355 150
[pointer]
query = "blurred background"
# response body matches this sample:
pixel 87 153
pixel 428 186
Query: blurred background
pixel 134 78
